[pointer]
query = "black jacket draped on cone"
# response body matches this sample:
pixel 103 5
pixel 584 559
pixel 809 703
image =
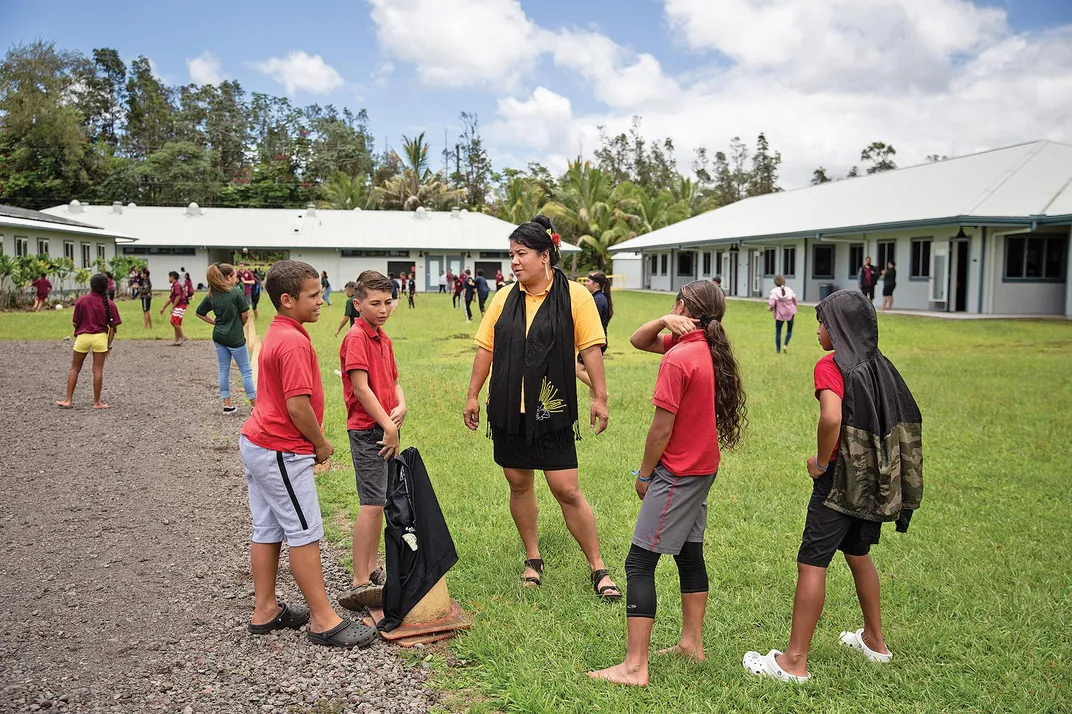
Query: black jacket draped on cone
pixel 879 470
pixel 412 513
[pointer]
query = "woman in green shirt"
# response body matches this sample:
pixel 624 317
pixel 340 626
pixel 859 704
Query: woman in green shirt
pixel 228 304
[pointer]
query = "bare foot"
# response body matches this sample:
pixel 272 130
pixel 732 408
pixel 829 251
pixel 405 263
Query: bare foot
pixel 101 405
pixel 623 674
pixel 63 405
pixel 696 655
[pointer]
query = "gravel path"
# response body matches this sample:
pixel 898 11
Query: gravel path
pixel 124 559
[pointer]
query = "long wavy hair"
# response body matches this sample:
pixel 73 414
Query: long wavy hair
pixel 601 279
pixel 218 276
pixel 706 303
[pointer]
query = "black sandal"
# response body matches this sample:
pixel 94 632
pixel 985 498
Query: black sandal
pixel 601 592
pixel 537 565
pixel 290 617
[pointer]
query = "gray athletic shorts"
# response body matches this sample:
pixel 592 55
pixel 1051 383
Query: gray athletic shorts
pixel 370 469
pixel 673 512
pixel 282 495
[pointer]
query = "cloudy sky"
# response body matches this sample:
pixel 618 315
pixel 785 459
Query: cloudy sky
pixel 822 78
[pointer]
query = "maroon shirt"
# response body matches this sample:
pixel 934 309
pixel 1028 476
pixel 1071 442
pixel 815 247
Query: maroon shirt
pixel 243 276
pixel 90 317
pixel 178 294
pixel 43 286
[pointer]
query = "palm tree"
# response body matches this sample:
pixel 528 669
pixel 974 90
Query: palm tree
pixel 416 185
pixel 522 200
pixel 590 211
pixel 345 192
pixel 648 213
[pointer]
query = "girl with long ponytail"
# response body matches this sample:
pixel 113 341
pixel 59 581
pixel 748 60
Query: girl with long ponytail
pixel 95 320
pixel 227 302
pixel 699 407
pixel 599 285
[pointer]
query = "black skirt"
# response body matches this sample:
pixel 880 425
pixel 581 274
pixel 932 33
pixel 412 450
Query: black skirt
pixel 558 452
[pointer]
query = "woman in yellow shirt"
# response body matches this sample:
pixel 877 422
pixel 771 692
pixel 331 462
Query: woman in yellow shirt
pixel 528 341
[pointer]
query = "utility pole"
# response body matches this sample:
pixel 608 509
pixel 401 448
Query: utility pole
pixel 457 170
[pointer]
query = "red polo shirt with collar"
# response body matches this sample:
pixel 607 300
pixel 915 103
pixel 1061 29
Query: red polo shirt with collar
pixel 287 367
pixel 686 388
pixel 367 349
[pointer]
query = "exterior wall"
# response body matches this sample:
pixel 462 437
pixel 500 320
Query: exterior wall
pixel 54 242
pixel 632 269
pixel 1023 297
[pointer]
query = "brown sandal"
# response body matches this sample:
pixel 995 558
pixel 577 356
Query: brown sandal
pixel 537 565
pixel 603 592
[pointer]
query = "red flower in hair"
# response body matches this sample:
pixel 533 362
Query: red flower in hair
pixel 556 239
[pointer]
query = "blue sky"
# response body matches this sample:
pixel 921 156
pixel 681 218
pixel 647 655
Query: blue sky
pixel 821 79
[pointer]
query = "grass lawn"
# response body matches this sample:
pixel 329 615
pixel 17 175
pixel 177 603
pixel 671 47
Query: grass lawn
pixel 977 596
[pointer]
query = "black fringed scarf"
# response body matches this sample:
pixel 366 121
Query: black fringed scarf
pixel 543 360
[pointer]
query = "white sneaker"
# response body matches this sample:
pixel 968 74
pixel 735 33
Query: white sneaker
pixel 767 666
pixel 855 641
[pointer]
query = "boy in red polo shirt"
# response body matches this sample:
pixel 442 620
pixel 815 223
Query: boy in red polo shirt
pixel 280 442
pixel 178 301
pixel 375 410
pixel 699 405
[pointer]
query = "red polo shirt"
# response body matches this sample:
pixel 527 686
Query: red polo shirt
pixel 828 376
pixel 367 349
pixel 287 367
pixel 178 294
pixel 686 388
pixel 89 316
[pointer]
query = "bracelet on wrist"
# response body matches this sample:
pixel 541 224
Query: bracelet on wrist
pixel 821 468
pixel 638 477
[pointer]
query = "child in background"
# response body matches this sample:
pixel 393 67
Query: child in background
pixel 699 405
pixel 226 300
pixel 350 311
pixel 111 285
pixel 42 287
pixel 325 285
pixel 375 411
pixel 597 284
pixel 95 319
pixel 868 468
pixel 280 443
pixel 459 285
pixel 178 300
pixel 255 291
pixel 412 288
pixel 145 292
pixel 783 303
pixel 188 285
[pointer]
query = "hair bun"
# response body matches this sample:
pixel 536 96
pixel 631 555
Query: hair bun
pixel 544 222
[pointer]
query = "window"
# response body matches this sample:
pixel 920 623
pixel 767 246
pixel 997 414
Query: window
pixel 718 261
pixel 770 257
pixel 101 252
pixel 85 255
pixel 68 250
pixel 42 246
pixel 823 261
pixel 887 251
pixel 357 253
pixel 789 262
pixel 487 255
pixel 1035 257
pixel 653 268
pixel 856 259
pixel 921 258
pixel 707 262
pixel 145 250
pixel 662 264
pixel 685 264
pixel 22 246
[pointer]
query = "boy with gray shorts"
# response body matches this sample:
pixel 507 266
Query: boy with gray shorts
pixel 279 445
pixel 375 410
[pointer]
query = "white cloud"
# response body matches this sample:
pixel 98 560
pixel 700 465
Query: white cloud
pixel 941 77
pixel 381 76
pixel 456 43
pixel 205 69
pixel 301 72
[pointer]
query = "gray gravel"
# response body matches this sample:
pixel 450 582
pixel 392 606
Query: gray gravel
pixel 124 559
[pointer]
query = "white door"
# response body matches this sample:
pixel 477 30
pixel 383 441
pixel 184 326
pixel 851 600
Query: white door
pixel 433 267
pixel 757 272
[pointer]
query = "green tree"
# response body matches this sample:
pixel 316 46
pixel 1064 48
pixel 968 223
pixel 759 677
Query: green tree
pixel 764 176
pixel 150 114
pixel 472 167
pixel 819 176
pixel 880 156
pixel 522 200
pixel 43 147
pixel 346 193
pixel 590 212
pixel 178 173
pixel 102 98
pixel 338 142
pixel 416 186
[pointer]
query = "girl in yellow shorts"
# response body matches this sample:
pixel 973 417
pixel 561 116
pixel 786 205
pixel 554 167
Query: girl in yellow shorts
pixel 95 320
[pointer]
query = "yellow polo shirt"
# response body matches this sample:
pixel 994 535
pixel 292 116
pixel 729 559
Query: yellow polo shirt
pixel 587 329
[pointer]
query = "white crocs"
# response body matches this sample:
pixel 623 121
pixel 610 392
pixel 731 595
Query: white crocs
pixel 767 666
pixel 855 641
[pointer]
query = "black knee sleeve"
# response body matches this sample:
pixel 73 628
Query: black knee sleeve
pixel 640 582
pixel 691 569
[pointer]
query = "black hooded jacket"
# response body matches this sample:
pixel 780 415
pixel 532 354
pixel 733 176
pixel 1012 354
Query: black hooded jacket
pixel 879 470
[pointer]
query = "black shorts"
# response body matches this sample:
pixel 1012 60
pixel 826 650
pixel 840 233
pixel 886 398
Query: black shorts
pixel 827 531
pixel 887 290
pixel 254 299
pixel 146 304
pixel 868 290
pixel 547 455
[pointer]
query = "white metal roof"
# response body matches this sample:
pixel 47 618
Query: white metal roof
pixel 25 223
pixel 1026 182
pixel 286 228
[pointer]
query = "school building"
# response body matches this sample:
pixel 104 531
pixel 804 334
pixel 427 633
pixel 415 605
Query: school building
pixel 986 233
pixel 26 233
pixel 343 243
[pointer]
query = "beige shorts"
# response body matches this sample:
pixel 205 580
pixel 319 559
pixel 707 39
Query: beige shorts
pixel 91 343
